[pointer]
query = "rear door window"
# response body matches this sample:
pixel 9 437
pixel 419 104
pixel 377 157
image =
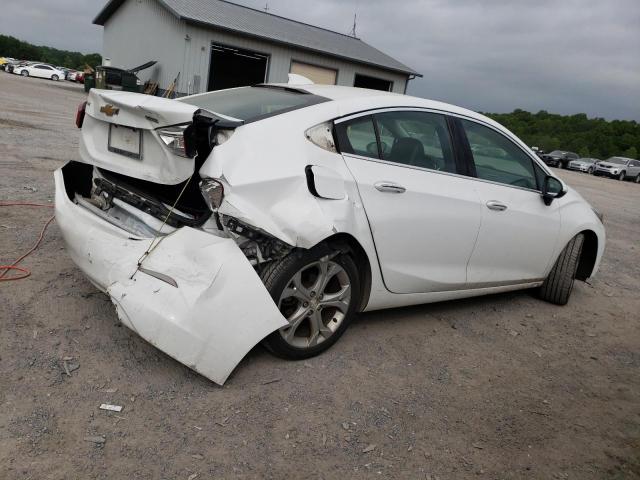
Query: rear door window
pixel 497 158
pixel 419 139
pixel 358 137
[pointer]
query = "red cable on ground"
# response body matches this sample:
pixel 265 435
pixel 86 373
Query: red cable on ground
pixel 4 269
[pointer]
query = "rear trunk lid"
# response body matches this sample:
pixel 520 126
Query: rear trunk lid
pixel 120 134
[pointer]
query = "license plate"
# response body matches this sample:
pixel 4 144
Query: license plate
pixel 125 141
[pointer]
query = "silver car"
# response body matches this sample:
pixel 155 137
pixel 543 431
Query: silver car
pixel 583 165
pixel 620 168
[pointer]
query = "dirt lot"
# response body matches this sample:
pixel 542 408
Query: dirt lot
pixel 497 387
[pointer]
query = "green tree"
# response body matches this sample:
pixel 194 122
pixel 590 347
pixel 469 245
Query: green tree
pixel 595 137
pixel 12 47
pixel 584 152
pixel 632 152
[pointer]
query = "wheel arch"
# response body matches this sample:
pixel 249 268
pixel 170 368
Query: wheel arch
pixel 588 256
pixel 348 244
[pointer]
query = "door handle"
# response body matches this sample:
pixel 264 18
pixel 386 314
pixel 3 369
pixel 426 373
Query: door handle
pixel 497 206
pixel 390 187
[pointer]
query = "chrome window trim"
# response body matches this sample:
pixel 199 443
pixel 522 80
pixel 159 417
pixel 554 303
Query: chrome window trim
pixel 353 116
pixel 440 172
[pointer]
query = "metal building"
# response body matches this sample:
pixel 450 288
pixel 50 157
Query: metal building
pixel 214 44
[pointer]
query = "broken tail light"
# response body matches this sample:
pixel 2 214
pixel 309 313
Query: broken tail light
pixel 212 192
pixel 174 138
pixel 80 114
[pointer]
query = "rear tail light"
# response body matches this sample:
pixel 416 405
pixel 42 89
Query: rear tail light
pixel 173 137
pixel 80 114
pixel 212 192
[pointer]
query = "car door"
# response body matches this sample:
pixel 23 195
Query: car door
pixel 39 71
pixel 519 232
pixel 423 218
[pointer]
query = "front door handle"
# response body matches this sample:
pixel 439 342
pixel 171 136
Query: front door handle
pixel 497 206
pixel 390 187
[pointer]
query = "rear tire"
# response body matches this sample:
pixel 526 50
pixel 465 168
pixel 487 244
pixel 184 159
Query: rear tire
pixel 24 73
pixel 296 287
pixel 558 286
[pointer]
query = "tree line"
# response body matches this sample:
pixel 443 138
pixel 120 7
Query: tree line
pixel 589 137
pixel 12 47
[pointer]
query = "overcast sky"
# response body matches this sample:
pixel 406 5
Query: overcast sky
pixel 564 56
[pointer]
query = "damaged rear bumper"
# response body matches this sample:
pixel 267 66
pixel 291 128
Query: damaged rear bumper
pixel 218 311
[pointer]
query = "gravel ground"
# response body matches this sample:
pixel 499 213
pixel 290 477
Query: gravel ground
pixel 503 386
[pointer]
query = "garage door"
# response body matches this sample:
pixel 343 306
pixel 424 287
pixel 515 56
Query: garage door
pixel 321 75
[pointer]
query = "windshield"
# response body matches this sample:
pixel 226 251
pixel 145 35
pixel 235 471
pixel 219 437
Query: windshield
pixel 557 152
pixel 253 103
pixel 617 160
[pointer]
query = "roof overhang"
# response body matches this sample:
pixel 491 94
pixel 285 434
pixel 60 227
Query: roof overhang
pixel 112 6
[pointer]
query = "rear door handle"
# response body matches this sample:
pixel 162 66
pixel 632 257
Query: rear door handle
pixel 496 205
pixel 390 187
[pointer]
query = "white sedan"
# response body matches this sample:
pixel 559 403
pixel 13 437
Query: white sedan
pixel 275 213
pixel 40 70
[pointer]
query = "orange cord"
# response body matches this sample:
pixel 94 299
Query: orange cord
pixel 4 269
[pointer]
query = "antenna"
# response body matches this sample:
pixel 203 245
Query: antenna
pixel 355 22
pixel 266 7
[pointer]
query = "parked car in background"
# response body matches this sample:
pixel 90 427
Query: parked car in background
pixel 40 70
pixel 620 168
pixel 559 158
pixel 279 211
pixel 583 165
pixel 538 151
pixel 65 71
pixel 4 61
pixel 11 66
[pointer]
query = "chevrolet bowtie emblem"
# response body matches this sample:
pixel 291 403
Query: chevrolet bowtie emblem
pixel 109 110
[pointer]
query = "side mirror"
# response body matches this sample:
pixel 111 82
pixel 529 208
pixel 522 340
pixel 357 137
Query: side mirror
pixel 552 188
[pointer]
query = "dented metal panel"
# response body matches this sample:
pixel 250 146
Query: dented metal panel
pixel 206 322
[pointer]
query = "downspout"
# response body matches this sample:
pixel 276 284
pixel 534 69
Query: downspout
pixel 406 84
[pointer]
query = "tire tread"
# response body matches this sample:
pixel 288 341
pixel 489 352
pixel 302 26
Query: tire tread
pixel 558 285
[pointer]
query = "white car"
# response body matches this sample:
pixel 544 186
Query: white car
pixel 40 70
pixel 275 213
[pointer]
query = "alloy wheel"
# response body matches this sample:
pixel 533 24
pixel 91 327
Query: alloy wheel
pixel 315 302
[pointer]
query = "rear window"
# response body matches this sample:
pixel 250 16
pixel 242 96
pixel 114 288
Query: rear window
pixel 253 103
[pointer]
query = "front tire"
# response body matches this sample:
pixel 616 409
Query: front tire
pixel 54 78
pixel 590 171
pixel 622 176
pixel 558 286
pixel 637 179
pixel 318 292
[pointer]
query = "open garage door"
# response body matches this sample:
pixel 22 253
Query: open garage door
pixel 364 81
pixel 234 67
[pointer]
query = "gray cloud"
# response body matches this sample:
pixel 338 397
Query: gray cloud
pixel 565 56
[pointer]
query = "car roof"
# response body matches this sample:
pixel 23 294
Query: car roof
pixel 351 97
